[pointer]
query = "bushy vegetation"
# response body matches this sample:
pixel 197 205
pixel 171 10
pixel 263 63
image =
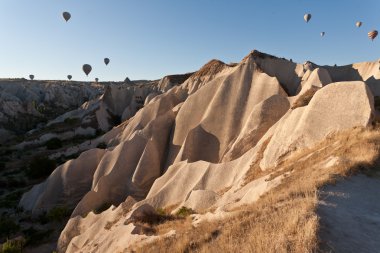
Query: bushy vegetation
pixel 62 159
pixel 13 182
pixel 184 212
pixel 12 246
pixel 102 145
pixel 2 166
pixel 53 144
pixel 7 152
pixel 11 199
pixel 161 211
pixel 102 208
pixel 58 214
pixel 114 120
pixel 377 102
pixel 6 159
pixel 42 218
pixel 40 167
pixel 99 132
pixel 72 121
pixel 36 237
pixel 8 227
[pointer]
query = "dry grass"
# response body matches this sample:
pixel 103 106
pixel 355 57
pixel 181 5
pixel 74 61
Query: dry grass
pixel 283 220
pixel 305 98
pixel 258 54
pixel 255 171
pixel 179 79
pixel 211 68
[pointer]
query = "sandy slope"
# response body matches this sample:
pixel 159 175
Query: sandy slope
pixel 350 215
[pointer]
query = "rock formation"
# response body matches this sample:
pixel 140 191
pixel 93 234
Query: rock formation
pixel 195 144
pixel 23 104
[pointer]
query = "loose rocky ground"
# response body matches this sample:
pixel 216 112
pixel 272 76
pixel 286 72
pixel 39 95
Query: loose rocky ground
pixel 350 215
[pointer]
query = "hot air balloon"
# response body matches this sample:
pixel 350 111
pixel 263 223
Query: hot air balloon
pixel 87 69
pixel 307 17
pixel 372 34
pixel 359 24
pixel 66 16
pixel 106 61
pixel 69 77
pixel 96 79
pixel 31 77
pixel 323 34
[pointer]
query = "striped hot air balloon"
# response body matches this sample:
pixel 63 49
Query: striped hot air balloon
pixel 372 34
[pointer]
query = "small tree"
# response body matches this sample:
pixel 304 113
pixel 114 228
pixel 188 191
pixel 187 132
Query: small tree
pixel 53 144
pixel 7 226
pixel 13 246
pixel 40 167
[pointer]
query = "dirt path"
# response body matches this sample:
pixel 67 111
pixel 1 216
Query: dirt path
pixel 350 215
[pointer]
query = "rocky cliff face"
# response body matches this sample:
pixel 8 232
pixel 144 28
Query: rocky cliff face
pixel 24 104
pixel 196 144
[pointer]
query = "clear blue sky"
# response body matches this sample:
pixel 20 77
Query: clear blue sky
pixel 147 39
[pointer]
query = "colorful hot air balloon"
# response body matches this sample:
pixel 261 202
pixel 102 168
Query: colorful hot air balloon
pixel 66 16
pixel 87 69
pixel 69 77
pixel 372 34
pixel 323 34
pixel 307 17
pixel 359 24
pixel 31 77
pixel 106 61
pixel 96 80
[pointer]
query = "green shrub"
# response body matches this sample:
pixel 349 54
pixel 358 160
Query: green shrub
pixel 102 208
pixel 2 166
pixel 99 132
pixel 113 119
pixel 12 246
pixel 16 183
pixel 184 212
pixel 72 121
pixel 11 199
pixel 8 227
pixel 5 159
pixel 161 211
pixel 53 144
pixel 36 237
pixel 102 145
pixel 58 213
pixel 40 167
pixel 8 152
pixel 73 156
pixel 10 173
pixel 377 102
pixel 42 218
